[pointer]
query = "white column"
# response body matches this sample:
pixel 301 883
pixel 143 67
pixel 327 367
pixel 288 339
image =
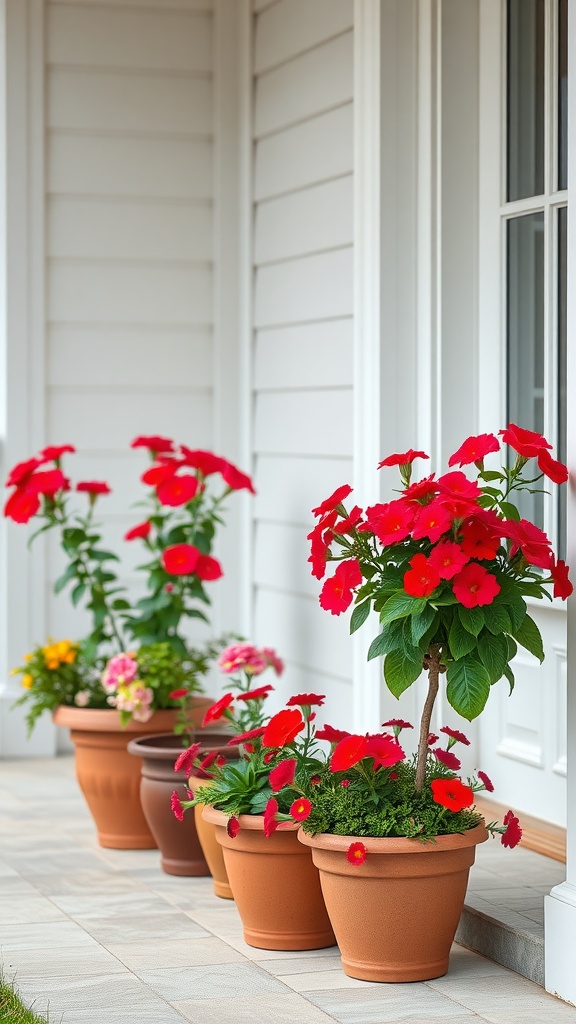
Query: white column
pixel 560 905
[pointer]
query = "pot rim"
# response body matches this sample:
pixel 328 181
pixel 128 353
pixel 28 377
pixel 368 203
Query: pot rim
pixel 144 746
pixel 395 844
pixel 249 822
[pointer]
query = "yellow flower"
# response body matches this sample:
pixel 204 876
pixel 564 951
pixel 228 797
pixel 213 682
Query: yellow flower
pixel 63 648
pixel 27 681
pixel 69 658
pixel 28 657
pixel 52 663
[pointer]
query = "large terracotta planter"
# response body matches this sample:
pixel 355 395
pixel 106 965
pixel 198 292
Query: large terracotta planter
pixel 108 776
pixel 178 842
pixel 395 915
pixel 277 890
pixel 211 848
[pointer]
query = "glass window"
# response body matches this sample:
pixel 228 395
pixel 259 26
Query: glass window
pixel 525 98
pixel 563 94
pixel 561 369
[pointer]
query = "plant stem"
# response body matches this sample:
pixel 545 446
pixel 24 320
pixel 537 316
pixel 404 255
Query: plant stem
pixel 432 661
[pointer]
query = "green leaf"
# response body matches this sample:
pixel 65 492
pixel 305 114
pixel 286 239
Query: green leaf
pixel 103 556
pixel 78 593
pixel 512 648
pixel 529 636
pixel 447 598
pixel 399 606
pixel 69 574
pixel 472 619
pixel 497 619
pixel 516 607
pixel 461 641
pixel 401 669
pixel 468 687
pixel 421 622
pixel 390 639
pixel 510 511
pixel 359 615
pixel 493 651
pixel 509 676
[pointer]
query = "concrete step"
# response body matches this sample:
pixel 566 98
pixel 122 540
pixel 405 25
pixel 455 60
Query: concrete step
pixel 504 936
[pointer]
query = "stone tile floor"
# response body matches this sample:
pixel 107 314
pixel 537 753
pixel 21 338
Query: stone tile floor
pixel 100 936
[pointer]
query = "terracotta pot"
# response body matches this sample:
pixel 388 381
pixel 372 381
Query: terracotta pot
pixel 395 915
pixel 180 849
pixel 108 776
pixel 210 846
pixel 277 890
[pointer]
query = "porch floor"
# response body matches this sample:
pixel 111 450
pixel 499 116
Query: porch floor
pixel 105 937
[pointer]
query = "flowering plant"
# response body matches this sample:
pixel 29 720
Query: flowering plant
pixel 446 566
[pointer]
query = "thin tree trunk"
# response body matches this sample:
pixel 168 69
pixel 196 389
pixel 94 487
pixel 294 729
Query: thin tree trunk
pixel 433 665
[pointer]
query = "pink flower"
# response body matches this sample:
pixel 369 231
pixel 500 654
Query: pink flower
pixel 185 761
pixel 176 804
pixel 242 657
pixel 120 669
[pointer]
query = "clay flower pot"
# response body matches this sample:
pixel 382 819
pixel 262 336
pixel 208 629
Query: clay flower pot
pixel 395 914
pixel 277 890
pixel 108 776
pixel 178 842
pixel 211 848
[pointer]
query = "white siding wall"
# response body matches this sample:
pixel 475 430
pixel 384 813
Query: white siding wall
pixel 303 342
pixel 129 242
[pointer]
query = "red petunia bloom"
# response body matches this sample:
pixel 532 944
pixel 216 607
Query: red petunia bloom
pixel 154 443
pixel 185 761
pixel 301 809
pixel 531 540
pixel 21 506
pixel 350 522
pixel 49 481
pixel 205 462
pixel 405 459
pixel 328 732
pixel 457 485
pixel 513 833
pixel 180 559
pixel 348 752
pixel 447 558
pixel 160 472
pixel 139 532
pixel 474 449
pixel 22 471
pixel 557 472
pixel 487 781
pixel 241 737
pixel 455 735
pixel 176 804
pixel 562 585
pixel 55 451
pixel 421 490
pixel 260 691
pixel 478 540
pixel 474 586
pixel 336 594
pixel 235 479
pixel 177 490
pixel 385 750
pixel 397 723
pixel 232 827
pixel 283 728
pixel 432 521
pixel 208 568
pixel 448 759
pixel 270 820
pixel 432 739
pixel 308 699
pixel 93 487
pixel 422 578
pixel 335 499
pixel 390 523
pixel 527 443
pixel 452 794
pixel 356 853
pixel 320 540
pixel 217 710
pixel 178 694
pixel 283 774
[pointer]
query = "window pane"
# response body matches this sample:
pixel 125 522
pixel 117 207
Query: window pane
pixel 525 105
pixel 562 301
pixel 562 94
pixel 525 331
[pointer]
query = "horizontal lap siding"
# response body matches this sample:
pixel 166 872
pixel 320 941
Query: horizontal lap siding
pixel 303 324
pixel 129 241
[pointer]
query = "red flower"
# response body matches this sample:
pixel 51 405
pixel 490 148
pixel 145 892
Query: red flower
pixel 283 774
pixel 455 735
pixel 350 522
pixel 527 443
pixel 178 694
pixel 233 827
pixel 269 756
pixel 385 750
pixel 532 541
pixel 273 660
pixel 55 451
pixel 562 586
pixel 93 487
pixel 177 490
pixel 21 472
pixel 432 739
pixel 475 586
pixel 205 462
pixel 422 578
pixel 307 699
pixel 335 499
pixel 390 523
pixel 356 853
pixel 21 506
pixel 345 783
pixel 447 558
pixel 474 449
pixel 180 559
pixel 397 723
pixel 252 734
pixel 448 759
pixel 432 521
pixel 320 539
pixel 154 443
pixel 160 472
pixel 260 691
pixel 49 481
pixel 283 728
pixel 487 782
pixel 348 752
pixel 217 710
pixel 406 459
pixel 336 594
pixel 328 732
pixel 176 804
pixel 451 793
pixel 139 532
pixel 270 820
pixel 478 540
pixel 235 479
pixel 300 809
pixel 513 833
pixel 185 761
pixel 208 568
pixel 421 490
pixel 457 485
pixel 557 472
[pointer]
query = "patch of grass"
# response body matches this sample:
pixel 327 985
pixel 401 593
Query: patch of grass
pixel 13 1010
